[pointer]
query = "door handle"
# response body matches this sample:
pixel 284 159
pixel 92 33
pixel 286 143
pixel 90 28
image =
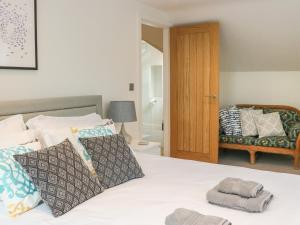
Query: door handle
pixel 211 96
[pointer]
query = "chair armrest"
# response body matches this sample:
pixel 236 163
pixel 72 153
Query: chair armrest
pixel 294 131
pixel 298 144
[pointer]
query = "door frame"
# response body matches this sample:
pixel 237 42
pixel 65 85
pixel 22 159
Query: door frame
pixel 166 79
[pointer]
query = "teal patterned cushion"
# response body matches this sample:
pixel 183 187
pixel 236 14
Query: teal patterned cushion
pixel 229 139
pixel 294 131
pixel 288 117
pixel 95 132
pixel 276 142
pixel 98 131
pixel 17 191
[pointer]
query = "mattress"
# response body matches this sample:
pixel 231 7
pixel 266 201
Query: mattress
pixel 170 184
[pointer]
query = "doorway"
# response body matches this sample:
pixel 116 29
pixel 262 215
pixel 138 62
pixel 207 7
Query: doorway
pixel 152 84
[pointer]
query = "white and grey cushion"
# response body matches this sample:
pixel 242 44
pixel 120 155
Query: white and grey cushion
pixel 225 121
pixel 248 123
pixel 112 159
pixel 269 125
pixel 235 121
pixel 61 177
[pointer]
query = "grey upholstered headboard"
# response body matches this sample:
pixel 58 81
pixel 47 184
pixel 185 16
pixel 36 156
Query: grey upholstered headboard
pixel 65 106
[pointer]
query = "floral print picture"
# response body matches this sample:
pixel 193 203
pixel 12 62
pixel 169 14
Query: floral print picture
pixel 18 44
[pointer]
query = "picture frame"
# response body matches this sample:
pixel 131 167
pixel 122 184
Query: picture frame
pixel 18 34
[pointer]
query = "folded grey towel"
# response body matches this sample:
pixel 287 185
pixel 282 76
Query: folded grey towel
pixel 258 204
pixel 247 189
pixel 189 217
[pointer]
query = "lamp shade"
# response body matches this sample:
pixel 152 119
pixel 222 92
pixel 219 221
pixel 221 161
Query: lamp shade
pixel 122 111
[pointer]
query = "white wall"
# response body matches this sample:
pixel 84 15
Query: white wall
pixel 257 37
pixel 279 88
pixel 85 47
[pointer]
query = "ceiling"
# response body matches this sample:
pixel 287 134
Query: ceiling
pixel 178 4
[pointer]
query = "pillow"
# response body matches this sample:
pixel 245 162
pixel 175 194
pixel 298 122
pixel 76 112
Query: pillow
pixel 50 137
pixel 61 177
pixel 51 122
pixel 269 125
pixel 12 124
pixel 34 146
pixel 17 191
pixel 107 127
pixel 17 138
pixel 248 123
pixel 235 121
pixel 225 121
pixel 112 159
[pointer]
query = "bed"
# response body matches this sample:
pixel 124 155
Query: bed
pixel 169 184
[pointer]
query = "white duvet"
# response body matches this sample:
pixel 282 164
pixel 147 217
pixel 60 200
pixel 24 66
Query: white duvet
pixel 170 184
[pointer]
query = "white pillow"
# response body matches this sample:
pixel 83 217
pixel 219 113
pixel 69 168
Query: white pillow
pixel 248 123
pixel 34 145
pixel 17 138
pixel 51 122
pixel 50 137
pixel 12 124
pixel 269 125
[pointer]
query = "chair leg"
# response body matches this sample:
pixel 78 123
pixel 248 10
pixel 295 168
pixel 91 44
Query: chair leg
pixel 252 157
pixel 296 162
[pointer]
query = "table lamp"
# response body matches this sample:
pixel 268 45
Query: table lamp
pixel 122 112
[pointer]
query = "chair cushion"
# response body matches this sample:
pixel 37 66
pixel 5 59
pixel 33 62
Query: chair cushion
pixel 247 121
pixel 235 121
pixel 276 142
pixel 287 117
pixel 225 121
pixel 294 131
pixel 237 140
pixel 269 125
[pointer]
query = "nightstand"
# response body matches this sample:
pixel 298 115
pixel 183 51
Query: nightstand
pixel 153 148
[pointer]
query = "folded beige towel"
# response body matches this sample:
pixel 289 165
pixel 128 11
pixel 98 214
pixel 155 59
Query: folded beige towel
pixel 258 204
pixel 188 217
pixel 247 189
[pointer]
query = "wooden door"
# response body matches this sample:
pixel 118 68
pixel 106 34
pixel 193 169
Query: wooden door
pixel 194 92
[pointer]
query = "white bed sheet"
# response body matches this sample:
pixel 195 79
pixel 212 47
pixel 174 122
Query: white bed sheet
pixel 169 184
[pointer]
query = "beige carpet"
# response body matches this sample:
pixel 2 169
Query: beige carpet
pixel 270 162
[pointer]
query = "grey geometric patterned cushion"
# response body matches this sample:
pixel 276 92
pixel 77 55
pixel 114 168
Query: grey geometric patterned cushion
pixel 248 123
pixel 61 177
pixel 269 125
pixel 112 159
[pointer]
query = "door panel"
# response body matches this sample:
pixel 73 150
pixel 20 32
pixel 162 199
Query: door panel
pixel 194 92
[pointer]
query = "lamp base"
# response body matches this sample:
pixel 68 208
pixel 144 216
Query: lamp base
pixel 123 132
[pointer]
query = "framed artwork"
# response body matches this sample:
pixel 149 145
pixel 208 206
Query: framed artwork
pixel 18 34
